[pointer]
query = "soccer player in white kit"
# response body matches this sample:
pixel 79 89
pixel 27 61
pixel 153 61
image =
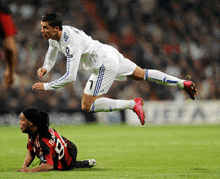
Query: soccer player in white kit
pixel 106 64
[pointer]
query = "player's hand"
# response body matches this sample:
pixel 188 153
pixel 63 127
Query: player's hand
pixel 8 79
pixel 38 86
pixel 18 170
pixel 26 169
pixel 41 72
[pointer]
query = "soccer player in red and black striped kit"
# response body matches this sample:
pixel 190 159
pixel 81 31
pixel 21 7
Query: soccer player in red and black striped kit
pixel 54 151
pixel 7 33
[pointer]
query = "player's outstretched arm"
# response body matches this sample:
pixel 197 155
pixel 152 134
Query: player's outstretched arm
pixel 38 86
pixel 44 167
pixel 27 161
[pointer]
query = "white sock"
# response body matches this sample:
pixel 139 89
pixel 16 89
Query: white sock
pixel 108 105
pixel 163 78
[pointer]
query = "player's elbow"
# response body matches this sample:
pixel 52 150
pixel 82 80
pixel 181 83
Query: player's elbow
pixel 71 78
pixel 46 167
pixel 51 167
pixel 10 52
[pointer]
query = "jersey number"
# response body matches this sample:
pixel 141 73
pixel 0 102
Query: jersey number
pixel 91 84
pixel 59 149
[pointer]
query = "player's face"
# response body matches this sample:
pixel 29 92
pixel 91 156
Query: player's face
pixel 48 32
pixel 24 123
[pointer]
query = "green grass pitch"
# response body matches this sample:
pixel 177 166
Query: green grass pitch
pixel 125 151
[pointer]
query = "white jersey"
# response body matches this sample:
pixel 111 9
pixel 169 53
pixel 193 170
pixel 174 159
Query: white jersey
pixel 76 46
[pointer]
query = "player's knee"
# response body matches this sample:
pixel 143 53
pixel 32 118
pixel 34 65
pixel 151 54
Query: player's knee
pixel 10 52
pixel 10 45
pixel 138 74
pixel 87 102
pixel 86 107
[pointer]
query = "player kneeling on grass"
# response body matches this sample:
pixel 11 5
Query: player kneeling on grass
pixel 54 151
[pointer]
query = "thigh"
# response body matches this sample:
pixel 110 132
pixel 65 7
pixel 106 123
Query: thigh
pixel 101 80
pixel 126 66
pixel 72 151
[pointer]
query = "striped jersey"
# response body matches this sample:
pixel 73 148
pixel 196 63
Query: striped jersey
pixel 57 151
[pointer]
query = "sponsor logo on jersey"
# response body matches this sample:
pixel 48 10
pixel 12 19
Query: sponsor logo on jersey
pixel 65 37
pixel 67 53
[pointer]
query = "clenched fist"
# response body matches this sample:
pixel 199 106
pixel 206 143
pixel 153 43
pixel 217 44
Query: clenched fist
pixel 41 72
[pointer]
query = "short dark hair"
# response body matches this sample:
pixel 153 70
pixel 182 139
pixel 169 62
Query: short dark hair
pixel 53 20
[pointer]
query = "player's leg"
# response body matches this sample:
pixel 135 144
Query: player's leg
pixel 87 101
pixel 72 150
pixel 164 79
pixel 85 163
pixel 8 30
pixel 100 81
pixel 102 104
pixel 10 58
pixel 157 76
pixel 99 84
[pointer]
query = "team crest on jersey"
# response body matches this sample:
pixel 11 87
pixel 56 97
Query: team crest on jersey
pixel 76 31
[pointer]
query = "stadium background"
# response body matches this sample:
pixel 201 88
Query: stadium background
pixel 181 38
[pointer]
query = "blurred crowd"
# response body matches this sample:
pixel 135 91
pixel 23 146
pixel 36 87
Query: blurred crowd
pixel 178 37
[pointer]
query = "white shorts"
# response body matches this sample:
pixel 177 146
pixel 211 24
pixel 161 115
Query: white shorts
pixel 115 67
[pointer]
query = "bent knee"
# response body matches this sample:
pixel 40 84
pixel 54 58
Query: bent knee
pixel 86 107
pixel 10 51
pixel 138 74
pixel 87 102
pixel 9 44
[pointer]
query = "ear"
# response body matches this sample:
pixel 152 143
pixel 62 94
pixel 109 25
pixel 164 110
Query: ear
pixel 31 124
pixel 57 28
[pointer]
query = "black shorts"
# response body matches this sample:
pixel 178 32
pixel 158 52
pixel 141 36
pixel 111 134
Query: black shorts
pixel 72 150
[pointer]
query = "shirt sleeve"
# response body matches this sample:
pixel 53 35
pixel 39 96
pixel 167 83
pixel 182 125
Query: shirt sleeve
pixel 49 159
pixel 48 149
pixel 50 57
pixel 72 66
pixel 29 145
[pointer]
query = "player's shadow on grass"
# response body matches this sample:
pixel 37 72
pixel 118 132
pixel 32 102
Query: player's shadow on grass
pixel 202 169
pixel 92 169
